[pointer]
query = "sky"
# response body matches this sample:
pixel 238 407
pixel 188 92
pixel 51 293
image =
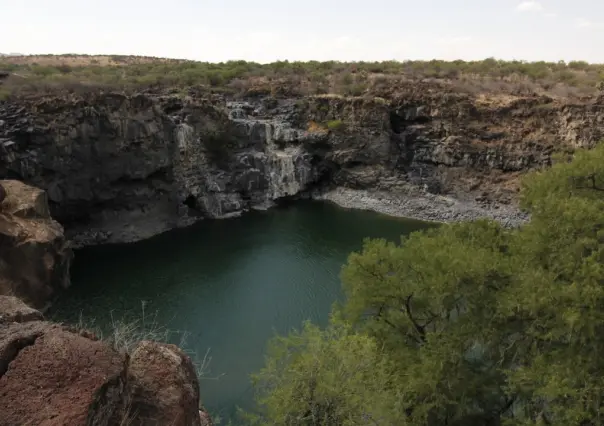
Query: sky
pixel 345 30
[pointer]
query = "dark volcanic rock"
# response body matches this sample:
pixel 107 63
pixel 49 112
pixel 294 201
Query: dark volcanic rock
pixel 121 168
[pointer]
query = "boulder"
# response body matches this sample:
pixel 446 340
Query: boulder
pixel 54 376
pixel 162 386
pixel 15 310
pixel 34 254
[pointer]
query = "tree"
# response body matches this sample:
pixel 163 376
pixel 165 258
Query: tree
pixel 466 324
pixel 333 377
pixel 559 294
pixel 431 301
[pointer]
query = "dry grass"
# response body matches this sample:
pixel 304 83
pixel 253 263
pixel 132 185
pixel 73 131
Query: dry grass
pixel 127 331
pixel 47 73
pixel 314 127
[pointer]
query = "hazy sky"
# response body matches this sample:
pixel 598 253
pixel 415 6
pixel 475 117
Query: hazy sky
pixel 267 30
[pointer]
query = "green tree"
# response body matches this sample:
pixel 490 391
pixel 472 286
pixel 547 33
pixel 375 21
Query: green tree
pixel 331 377
pixel 432 302
pixel 559 294
pixel 466 324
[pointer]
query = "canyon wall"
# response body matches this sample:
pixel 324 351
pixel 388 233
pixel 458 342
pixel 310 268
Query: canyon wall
pixel 120 168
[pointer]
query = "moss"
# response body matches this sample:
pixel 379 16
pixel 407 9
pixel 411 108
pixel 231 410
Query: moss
pixel 335 125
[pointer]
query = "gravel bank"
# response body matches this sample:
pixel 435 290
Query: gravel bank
pixel 427 207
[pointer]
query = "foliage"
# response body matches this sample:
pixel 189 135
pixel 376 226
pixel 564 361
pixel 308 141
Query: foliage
pixel 335 125
pixel 47 72
pixel 465 324
pixel 330 377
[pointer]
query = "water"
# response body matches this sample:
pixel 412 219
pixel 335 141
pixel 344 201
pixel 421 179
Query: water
pixel 230 284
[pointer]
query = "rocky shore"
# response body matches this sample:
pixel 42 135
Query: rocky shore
pixel 425 207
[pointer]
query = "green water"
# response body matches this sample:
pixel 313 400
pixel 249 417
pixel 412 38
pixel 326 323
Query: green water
pixel 229 284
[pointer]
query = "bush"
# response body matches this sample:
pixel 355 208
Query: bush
pixel 285 77
pixel 335 125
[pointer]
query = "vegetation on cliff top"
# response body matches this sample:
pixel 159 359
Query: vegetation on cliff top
pixel 466 324
pixel 43 73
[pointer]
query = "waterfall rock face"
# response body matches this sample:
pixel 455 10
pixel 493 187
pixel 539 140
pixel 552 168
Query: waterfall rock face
pixel 251 164
pixel 120 168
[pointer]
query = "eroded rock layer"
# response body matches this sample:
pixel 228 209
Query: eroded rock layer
pixel 121 168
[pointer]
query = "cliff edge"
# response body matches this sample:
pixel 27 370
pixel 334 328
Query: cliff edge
pixel 121 167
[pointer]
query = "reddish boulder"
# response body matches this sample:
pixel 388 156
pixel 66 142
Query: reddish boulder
pixel 162 386
pixel 55 376
pixel 50 376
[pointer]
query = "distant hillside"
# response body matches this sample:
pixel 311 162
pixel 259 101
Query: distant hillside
pixel 43 73
pixel 77 60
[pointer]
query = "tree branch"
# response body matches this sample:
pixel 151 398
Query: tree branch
pixel 420 329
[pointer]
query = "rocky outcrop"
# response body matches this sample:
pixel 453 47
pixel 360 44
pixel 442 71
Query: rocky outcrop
pixel 34 255
pixel 162 386
pixel 52 375
pixel 120 168
pixel 13 309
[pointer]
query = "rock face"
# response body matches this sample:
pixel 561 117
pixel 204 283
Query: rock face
pixel 121 168
pixel 34 255
pixel 51 376
pixel 13 309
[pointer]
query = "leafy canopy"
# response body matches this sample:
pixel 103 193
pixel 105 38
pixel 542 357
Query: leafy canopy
pixel 465 324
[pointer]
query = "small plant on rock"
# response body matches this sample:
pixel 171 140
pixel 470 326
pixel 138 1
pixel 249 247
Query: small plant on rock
pixel 335 125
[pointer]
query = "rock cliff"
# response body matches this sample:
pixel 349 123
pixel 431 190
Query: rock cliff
pixel 121 168
pixel 34 255
pixel 54 375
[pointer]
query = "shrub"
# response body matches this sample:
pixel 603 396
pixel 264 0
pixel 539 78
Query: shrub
pixel 335 125
pixel 285 78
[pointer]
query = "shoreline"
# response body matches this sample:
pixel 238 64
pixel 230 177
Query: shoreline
pixel 412 205
pixel 424 207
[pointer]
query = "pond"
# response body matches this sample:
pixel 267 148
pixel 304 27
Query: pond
pixel 229 285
